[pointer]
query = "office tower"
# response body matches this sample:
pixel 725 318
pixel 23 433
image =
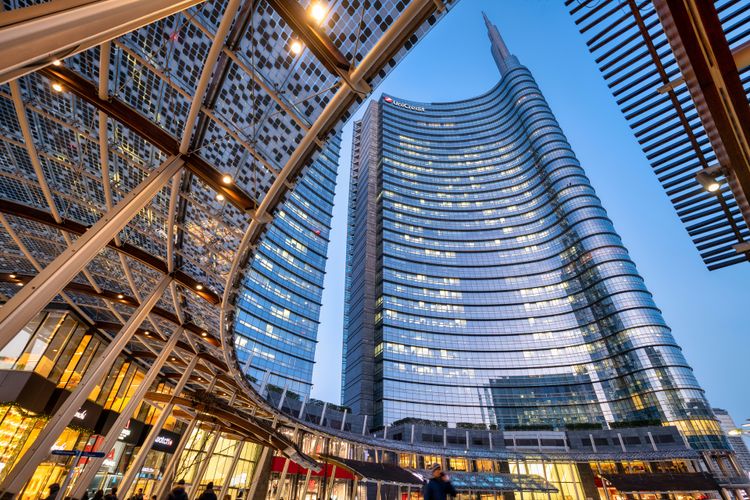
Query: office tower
pixel 485 282
pixel 278 309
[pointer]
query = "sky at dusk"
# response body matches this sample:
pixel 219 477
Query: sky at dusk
pixel 707 311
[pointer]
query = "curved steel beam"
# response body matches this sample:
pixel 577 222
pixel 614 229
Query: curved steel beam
pixel 150 131
pixel 415 14
pixel 21 279
pixel 255 430
pixel 39 34
pixel 318 42
pixel 132 251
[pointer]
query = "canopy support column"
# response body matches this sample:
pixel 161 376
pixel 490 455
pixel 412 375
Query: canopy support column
pixel 93 465
pixel 135 466
pixel 36 294
pixel 40 448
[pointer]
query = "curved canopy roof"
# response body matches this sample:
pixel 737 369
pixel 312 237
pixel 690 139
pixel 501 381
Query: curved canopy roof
pixel 214 86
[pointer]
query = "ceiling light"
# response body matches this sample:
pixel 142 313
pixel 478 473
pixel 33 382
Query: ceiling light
pixel 12 276
pixel 226 179
pixel 204 334
pixel 147 333
pixel 296 47
pixel 219 197
pixel 318 11
pixel 708 181
pixel 199 287
pixel 120 296
pixel 19 284
pixel 56 62
pixel 57 87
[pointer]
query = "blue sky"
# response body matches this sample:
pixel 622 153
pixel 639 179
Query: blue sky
pixel 707 311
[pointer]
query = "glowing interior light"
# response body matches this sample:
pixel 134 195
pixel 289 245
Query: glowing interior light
pixel 318 11
pixel 296 47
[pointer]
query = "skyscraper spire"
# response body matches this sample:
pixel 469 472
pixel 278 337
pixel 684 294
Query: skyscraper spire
pixel 499 49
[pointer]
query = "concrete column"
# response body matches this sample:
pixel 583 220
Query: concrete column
pixel 323 413
pixel 302 408
pixel 283 396
pixel 93 464
pixel 303 490
pixel 137 463
pixel 259 466
pixel 331 482
pixel 232 467
pixel 604 481
pixel 40 448
pixel 282 478
pixel 165 484
pixel 214 435
pixel 355 488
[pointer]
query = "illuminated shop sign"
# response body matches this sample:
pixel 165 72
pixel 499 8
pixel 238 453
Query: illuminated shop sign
pixel 404 105
pixel 166 441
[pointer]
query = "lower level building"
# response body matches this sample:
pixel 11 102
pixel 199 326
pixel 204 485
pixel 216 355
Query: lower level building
pixel 292 448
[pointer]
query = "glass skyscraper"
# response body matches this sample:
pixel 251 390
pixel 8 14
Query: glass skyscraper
pixel 278 309
pixel 485 282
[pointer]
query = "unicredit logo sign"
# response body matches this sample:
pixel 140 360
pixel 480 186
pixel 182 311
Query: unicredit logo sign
pixel 403 104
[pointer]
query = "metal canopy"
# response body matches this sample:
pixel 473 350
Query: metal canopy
pixel 491 482
pixel 662 482
pixel 212 84
pixel 376 472
pixel 653 88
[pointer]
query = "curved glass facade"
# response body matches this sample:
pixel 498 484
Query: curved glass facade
pixel 278 310
pixel 499 290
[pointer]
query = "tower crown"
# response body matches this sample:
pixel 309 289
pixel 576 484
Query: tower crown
pixel 501 54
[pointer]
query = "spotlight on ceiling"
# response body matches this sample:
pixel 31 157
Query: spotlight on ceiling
pixel 708 181
pixel 296 47
pixel 318 12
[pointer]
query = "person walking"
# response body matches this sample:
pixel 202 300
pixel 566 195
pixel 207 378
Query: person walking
pixel 99 495
pixel 439 485
pixel 208 493
pixel 138 495
pixel 112 495
pixel 54 488
pixel 178 492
